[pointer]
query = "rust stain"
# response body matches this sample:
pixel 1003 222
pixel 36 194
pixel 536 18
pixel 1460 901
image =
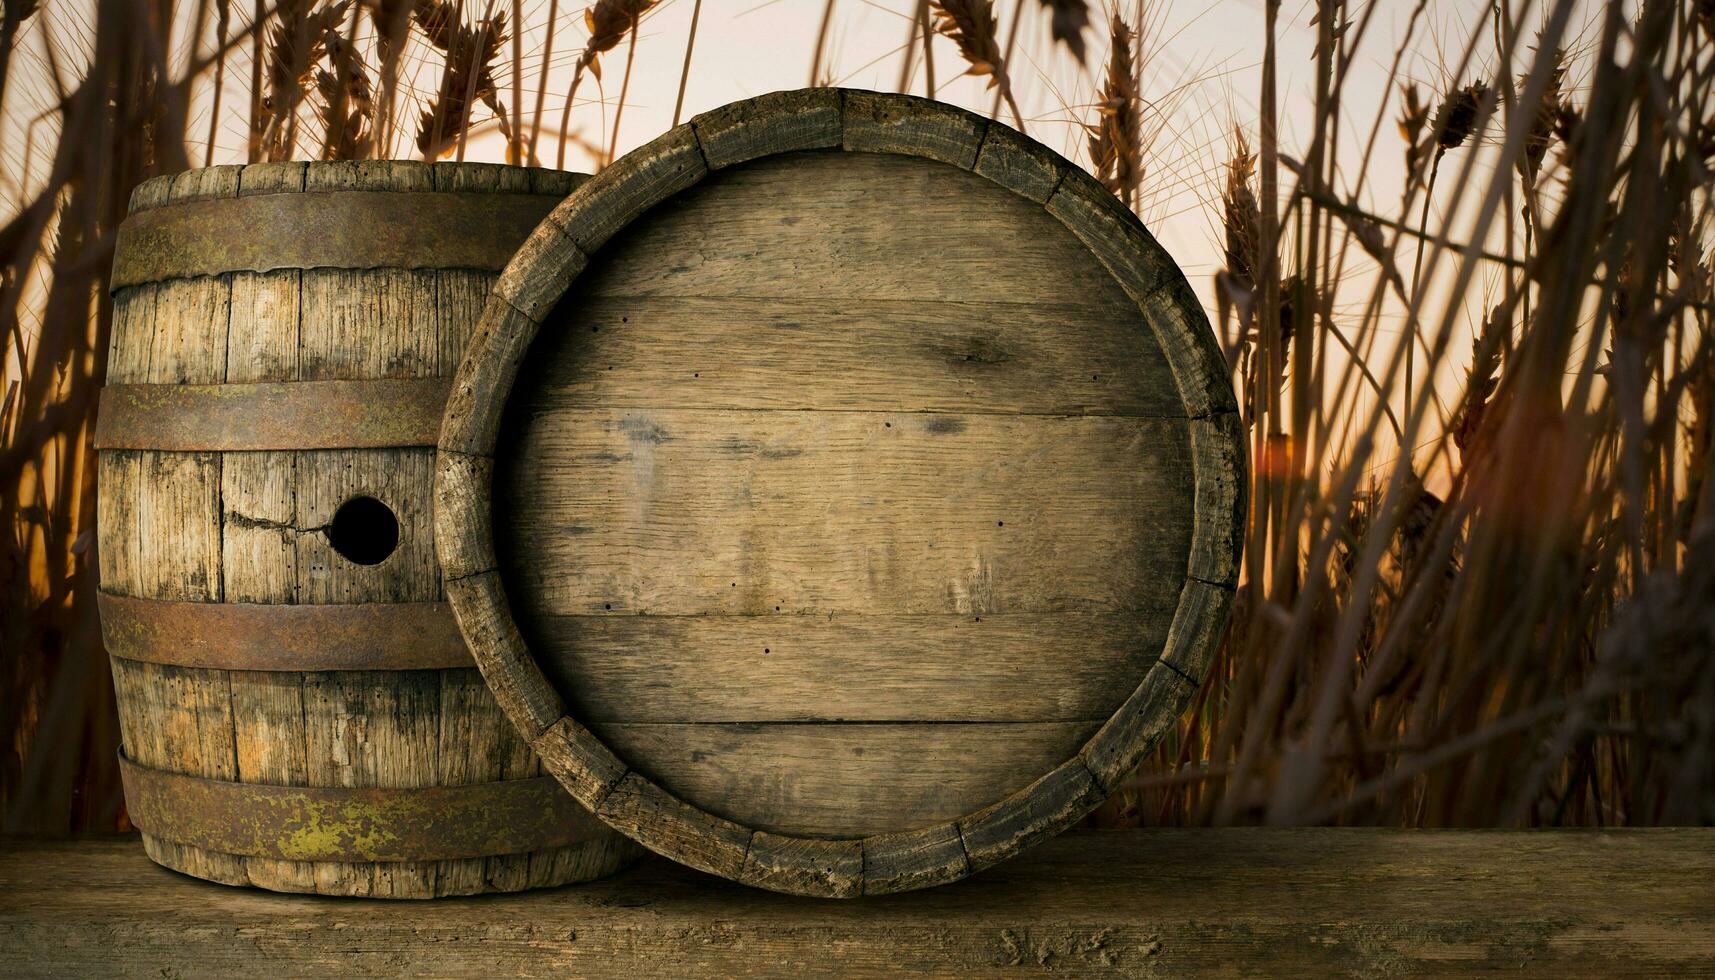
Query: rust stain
pixel 375 413
pixel 310 823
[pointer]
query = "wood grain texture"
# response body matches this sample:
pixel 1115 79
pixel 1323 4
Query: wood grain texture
pixel 462 479
pixel 904 124
pixel 804 866
pixel 370 175
pixel 844 780
pixel 151 193
pixel 689 835
pixel 480 607
pixel 843 494
pixel 1149 276
pixel 252 527
pixel 159 527
pixel 179 719
pixel 1020 164
pixel 488 178
pixel 1198 624
pixel 271 742
pixel 588 769
pixel 792 667
pixel 692 512
pixel 206 184
pixel 493 355
pixel 1003 830
pixel 1148 713
pixel 1168 687
pixel 281 177
pixel 654 172
pixel 761 230
pixel 1170 903
pixel 895 355
pixel 262 326
pixel 553 259
pixel 913 859
pixel 779 122
pixel 1218 447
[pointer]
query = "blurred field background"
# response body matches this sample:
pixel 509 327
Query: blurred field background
pixel 1458 254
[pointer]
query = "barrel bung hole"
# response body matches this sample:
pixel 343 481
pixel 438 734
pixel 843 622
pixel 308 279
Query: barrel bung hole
pixel 364 531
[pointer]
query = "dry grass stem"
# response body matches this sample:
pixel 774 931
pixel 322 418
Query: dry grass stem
pixel 1479 583
pixel 608 22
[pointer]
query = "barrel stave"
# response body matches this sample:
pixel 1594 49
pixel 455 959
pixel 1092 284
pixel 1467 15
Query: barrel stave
pixel 211 526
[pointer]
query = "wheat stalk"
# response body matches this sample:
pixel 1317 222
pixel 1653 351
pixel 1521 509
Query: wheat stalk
pixel 347 109
pixel 1066 23
pixel 970 24
pixel 13 15
pixel 685 74
pixel 1455 122
pixel 1498 613
pixel 1116 137
pixel 816 80
pixel 222 23
pixel 608 22
pixel 391 21
pixel 926 31
pixel 296 43
pixel 468 75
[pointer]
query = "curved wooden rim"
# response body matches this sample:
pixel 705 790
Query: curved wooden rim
pixel 553 257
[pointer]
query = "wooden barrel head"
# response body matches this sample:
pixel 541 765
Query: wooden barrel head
pixel 842 491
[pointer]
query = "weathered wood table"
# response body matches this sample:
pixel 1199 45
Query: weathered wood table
pixel 1136 903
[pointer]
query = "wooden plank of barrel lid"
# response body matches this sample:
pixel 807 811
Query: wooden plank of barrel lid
pixel 843 492
pixel 297 708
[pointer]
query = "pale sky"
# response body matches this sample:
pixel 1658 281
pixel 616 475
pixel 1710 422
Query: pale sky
pixel 1201 79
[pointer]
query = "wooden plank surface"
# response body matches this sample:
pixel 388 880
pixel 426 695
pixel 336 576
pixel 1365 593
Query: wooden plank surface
pixel 846 494
pixel 771 668
pixel 845 226
pixel 1241 903
pixel 684 512
pixel 920 355
pixel 252 527
pixel 623 491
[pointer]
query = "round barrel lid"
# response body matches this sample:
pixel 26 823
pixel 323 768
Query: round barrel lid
pixel 841 492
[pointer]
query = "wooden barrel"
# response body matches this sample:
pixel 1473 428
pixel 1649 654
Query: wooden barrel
pixel 297 708
pixel 842 493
